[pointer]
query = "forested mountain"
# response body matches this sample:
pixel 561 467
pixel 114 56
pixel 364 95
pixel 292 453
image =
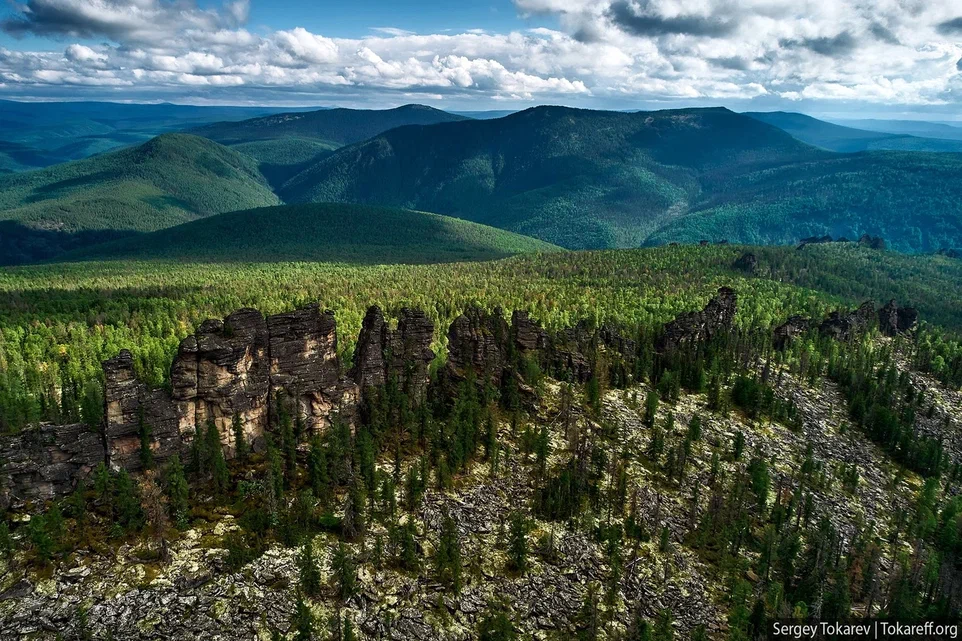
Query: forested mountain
pixel 848 139
pixel 334 233
pixel 576 178
pixel 168 180
pixel 285 144
pixel 581 179
pixel 334 126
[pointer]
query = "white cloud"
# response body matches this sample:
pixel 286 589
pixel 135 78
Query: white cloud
pixel 884 52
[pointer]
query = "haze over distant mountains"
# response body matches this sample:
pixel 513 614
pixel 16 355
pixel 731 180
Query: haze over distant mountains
pixel 571 177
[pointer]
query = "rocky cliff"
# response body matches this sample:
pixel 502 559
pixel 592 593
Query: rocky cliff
pixel 693 327
pixel 403 354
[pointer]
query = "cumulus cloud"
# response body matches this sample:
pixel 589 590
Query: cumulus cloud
pixel 887 51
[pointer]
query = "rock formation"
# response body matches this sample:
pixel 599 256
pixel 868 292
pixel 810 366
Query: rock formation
pixel 404 353
pixel 786 333
pixel 894 320
pixel 477 340
pixel 305 369
pixel 45 462
pixel 693 327
pixel 872 242
pixel 528 335
pixel 747 262
pixel 846 326
pixel 130 408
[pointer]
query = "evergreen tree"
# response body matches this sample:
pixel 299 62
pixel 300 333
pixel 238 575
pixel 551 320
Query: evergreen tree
pixel 129 516
pixel 216 463
pixel 317 473
pixel 302 622
pixel 146 433
pixel 518 542
pixel 308 570
pixel 447 556
pixel 651 408
pixel 354 524
pixel 344 571
pixel 496 626
pixel 177 491
pixel 664 630
pixel 241 448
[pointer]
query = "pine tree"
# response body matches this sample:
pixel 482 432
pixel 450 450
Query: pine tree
pixel 664 630
pixel 317 473
pixel 518 542
pixel 447 556
pixel 241 448
pixel 177 490
pixel 217 465
pixel 145 433
pixel 345 572
pixel 153 502
pixel 129 516
pixel 496 626
pixel 354 524
pixel 651 408
pixel 308 570
pixel 303 621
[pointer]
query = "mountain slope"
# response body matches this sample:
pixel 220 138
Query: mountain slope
pixel 335 126
pixel 847 139
pixel 325 232
pixel 913 200
pixel 168 180
pixel 573 177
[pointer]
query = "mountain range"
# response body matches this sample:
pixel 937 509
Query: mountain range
pixel 570 177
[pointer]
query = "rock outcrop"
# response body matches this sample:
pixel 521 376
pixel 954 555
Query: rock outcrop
pixel 46 461
pixel 846 326
pixel 694 327
pixel 894 320
pixel 305 369
pixel 786 333
pixel 221 371
pixel 872 242
pixel 132 408
pixel 403 354
pixel 478 340
pixel 528 335
pixel 747 263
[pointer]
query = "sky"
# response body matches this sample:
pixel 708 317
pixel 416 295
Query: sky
pixel 836 58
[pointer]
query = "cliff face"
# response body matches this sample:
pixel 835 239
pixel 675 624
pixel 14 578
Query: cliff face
pixel 403 354
pixel 43 463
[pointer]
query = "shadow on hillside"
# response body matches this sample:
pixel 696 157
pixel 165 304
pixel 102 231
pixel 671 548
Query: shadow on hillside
pixel 23 245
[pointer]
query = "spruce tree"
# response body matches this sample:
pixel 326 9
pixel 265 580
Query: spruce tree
pixel 344 571
pixel 303 620
pixel 496 626
pixel 217 465
pixel 145 433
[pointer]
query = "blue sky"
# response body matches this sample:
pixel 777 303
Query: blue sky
pixel 827 57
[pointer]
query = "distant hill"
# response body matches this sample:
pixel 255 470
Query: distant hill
pixel 847 139
pixel 576 178
pixel 333 126
pixel 57 132
pixel 941 130
pixel 324 232
pixel 168 180
pixel 287 143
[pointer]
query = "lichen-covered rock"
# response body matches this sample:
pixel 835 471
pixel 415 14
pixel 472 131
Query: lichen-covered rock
pixel 747 262
pixel 132 408
pixel 694 327
pixel 894 320
pixel 786 333
pixel 846 326
pixel 46 461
